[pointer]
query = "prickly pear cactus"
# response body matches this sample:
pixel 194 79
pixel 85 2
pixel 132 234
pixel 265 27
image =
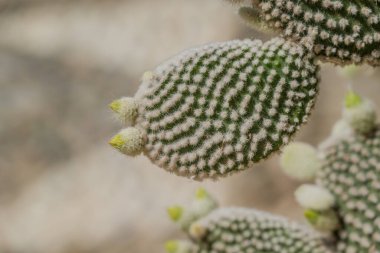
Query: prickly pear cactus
pixel 214 110
pixel 341 31
pixel 244 230
pixel 350 171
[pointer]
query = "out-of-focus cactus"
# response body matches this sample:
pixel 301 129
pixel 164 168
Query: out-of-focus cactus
pixel 201 206
pixel 214 110
pixel 243 230
pixel 340 31
pixel 349 170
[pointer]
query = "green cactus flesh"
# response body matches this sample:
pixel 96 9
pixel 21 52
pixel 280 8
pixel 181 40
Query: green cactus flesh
pixel 351 172
pixel 250 231
pixel 214 110
pixel 343 31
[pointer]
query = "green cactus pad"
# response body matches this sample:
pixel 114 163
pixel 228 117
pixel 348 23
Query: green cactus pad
pixel 351 172
pixel 343 31
pixel 251 231
pixel 214 110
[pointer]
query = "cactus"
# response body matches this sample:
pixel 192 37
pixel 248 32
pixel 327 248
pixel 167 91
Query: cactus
pixel 349 169
pixel 217 109
pixel 341 31
pixel 214 110
pixel 343 203
pixel 244 230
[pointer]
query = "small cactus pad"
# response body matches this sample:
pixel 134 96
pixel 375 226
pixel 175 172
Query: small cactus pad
pixel 247 230
pixel 351 172
pixel 214 110
pixel 342 31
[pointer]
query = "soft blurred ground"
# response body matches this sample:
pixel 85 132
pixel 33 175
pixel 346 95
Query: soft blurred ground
pixel 62 189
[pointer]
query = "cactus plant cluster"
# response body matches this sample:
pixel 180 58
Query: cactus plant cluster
pixel 217 109
pixel 242 230
pixel 347 176
pixel 343 204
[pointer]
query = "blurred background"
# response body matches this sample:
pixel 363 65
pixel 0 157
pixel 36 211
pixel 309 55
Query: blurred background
pixel 62 188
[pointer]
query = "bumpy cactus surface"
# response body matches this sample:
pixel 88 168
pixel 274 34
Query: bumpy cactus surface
pixel 214 110
pixel 341 31
pixel 244 230
pixel 350 171
pixel 343 204
pixel 241 230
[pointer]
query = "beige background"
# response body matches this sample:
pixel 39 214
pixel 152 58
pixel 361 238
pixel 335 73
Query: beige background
pixel 62 188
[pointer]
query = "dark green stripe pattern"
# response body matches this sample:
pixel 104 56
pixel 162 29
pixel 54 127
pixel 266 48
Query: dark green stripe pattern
pixel 240 230
pixel 217 109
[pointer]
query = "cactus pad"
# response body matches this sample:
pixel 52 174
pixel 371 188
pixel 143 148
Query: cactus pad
pixel 216 109
pixel 351 172
pixel 342 31
pixel 247 230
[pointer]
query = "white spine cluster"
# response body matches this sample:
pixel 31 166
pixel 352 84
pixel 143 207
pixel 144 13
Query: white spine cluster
pixel 214 110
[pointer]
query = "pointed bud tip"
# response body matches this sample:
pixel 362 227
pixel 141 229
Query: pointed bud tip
pixel 201 193
pixel 117 142
pixel 175 212
pixel 311 216
pixel 171 246
pixel 115 106
pixel 129 141
pixel 324 221
pixel 126 108
pixel 352 99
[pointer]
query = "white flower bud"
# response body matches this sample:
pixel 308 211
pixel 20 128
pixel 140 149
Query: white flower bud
pixel 314 197
pixel 197 231
pixel 126 108
pixel 129 141
pixel 300 161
